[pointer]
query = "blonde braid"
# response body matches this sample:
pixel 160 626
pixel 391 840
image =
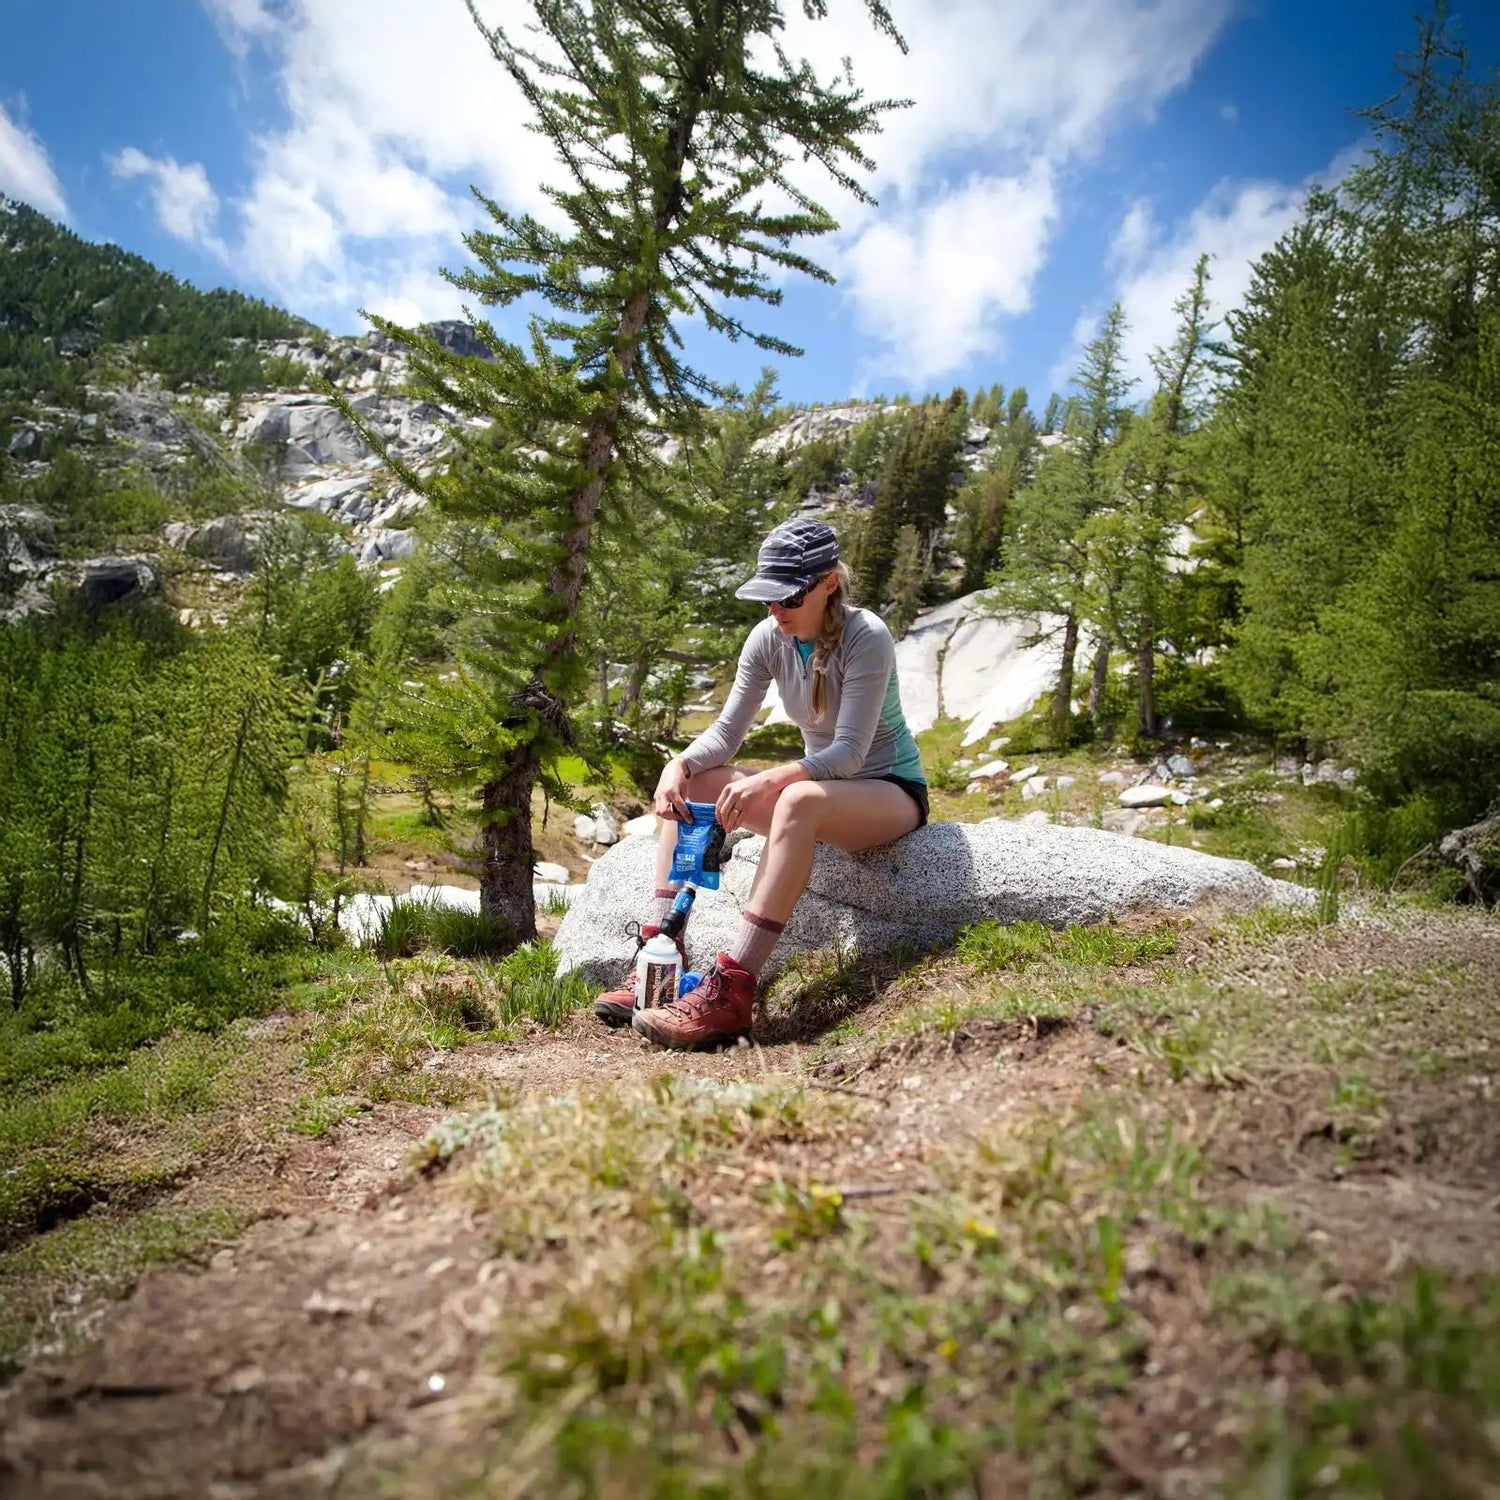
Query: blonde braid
pixel 840 601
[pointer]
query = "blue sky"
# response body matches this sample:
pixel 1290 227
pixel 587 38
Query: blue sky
pixel 1060 154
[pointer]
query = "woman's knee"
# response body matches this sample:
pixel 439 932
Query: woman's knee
pixel 798 807
pixel 706 785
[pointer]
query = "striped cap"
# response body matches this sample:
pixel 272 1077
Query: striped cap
pixel 797 552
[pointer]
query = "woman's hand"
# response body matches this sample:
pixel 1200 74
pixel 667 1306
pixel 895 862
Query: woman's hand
pixel 670 799
pixel 736 799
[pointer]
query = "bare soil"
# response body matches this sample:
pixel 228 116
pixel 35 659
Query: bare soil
pixel 346 1332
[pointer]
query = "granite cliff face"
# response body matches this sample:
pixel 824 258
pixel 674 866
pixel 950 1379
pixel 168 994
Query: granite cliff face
pixel 317 460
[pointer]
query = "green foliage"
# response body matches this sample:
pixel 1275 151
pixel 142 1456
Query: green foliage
pixel 65 302
pixel 992 947
pixel 405 929
pixel 142 768
pixel 531 989
pixel 674 130
pixel 1046 559
pixel 1402 1394
pixel 197 985
pixel 1352 447
pixel 659 601
pixel 915 485
pixel 467 934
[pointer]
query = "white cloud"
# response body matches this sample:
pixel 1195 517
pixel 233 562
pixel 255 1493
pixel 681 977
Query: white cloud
pixel 933 282
pixel 392 109
pixel 186 205
pixel 1235 224
pixel 25 172
pixel 1037 77
pixel 240 22
pixel 1026 87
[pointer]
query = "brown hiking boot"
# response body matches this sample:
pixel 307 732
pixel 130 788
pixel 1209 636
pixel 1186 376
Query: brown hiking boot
pixel 615 1007
pixel 718 1012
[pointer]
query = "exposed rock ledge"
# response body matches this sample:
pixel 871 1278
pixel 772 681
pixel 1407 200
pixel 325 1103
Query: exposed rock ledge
pixel 919 890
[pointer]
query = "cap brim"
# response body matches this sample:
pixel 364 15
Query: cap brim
pixel 769 590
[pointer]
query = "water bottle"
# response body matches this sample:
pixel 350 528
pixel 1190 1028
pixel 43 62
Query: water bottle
pixel 658 969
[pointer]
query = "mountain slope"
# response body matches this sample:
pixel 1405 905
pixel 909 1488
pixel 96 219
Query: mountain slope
pixel 65 302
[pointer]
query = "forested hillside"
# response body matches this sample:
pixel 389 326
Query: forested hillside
pixel 64 302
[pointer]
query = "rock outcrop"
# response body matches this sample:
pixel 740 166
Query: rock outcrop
pixel 302 431
pixel 918 891
pixel 231 543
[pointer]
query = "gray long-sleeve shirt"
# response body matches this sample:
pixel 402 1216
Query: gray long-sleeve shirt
pixel 861 733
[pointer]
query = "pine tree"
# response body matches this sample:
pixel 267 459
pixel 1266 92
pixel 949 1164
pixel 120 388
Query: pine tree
pixel 673 124
pixel 1353 522
pixel 911 572
pixel 1130 542
pixel 875 553
pixel 1046 564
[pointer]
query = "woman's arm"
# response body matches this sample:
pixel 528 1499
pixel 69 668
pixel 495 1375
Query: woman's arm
pixel 868 663
pixel 727 733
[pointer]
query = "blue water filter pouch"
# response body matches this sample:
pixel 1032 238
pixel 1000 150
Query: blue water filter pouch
pixel 699 847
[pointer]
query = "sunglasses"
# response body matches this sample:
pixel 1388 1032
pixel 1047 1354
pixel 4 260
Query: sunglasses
pixel 794 601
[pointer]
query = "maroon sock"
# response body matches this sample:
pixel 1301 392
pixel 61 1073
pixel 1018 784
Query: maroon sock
pixel 754 941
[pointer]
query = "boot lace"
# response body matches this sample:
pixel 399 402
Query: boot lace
pixel 697 1003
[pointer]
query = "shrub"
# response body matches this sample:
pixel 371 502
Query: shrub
pixel 531 988
pixel 466 934
pixel 405 929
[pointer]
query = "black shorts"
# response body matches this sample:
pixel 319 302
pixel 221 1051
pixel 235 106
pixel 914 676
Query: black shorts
pixel 916 790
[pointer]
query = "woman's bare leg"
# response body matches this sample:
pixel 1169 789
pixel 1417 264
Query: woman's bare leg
pixel 850 815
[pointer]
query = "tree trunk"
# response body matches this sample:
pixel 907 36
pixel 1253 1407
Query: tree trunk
pixel 226 803
pixel 1100 680
pixel 1062 704
pixel 1145 669
pixel 505 891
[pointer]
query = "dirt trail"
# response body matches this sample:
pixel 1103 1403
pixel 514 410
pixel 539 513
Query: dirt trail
pixel 350 1322
pixel 345 1333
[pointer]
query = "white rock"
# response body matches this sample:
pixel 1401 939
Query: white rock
pixel 1283 864
pixel 1180 799
pixel 1064 782
pixel 958 662
pixel 920 890
pixel 997 744
pixel 641 827
pixel 1036 818
pixel 1216 803
pixel 1113 778
pixel 331 496
pixel 549 873
pixel 1024 774
pixel 1124 820
pixel 583 828
pixel 1147 795
pixel 606 829
pixel 305 430
pixel 1034 787
pixel 989 769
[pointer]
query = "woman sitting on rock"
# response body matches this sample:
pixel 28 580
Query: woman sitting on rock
pixel 859 785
